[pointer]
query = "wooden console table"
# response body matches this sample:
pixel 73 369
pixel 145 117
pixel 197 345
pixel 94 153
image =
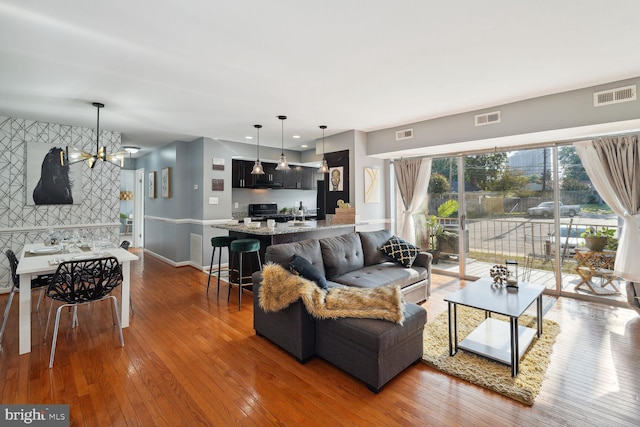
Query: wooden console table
pixel 596 264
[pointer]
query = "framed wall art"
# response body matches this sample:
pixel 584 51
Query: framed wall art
pixel 48 182
pixel 218 164
pixel 217 185
pixel 336 178
pixel 165 182
pixel 151 185
pixel 371 185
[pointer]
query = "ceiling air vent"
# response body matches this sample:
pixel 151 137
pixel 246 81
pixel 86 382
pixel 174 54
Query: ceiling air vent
pixel 614 96
pixel 404 134
pixel 488 118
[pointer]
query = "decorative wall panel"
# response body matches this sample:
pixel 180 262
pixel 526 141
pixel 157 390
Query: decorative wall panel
pixel 97 215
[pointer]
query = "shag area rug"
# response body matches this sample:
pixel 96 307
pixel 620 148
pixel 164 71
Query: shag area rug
pixel 482 371
pixel 280 288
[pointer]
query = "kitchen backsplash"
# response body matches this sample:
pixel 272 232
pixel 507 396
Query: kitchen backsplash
pixel 283 198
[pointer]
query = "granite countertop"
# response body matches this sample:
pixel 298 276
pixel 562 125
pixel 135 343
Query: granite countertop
pixel 281 228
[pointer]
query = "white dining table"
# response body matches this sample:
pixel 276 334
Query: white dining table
pixel 39 261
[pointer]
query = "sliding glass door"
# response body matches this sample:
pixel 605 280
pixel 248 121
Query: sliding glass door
pixel 532 206
pixel 440 217
pixel 500 188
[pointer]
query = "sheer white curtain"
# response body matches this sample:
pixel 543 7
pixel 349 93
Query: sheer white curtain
pixel 412 180
pixel 613 165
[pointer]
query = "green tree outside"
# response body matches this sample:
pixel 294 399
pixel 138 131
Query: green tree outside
pixel 571 165
pixel 484 170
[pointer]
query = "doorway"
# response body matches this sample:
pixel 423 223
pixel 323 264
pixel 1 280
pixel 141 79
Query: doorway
pixel 138 214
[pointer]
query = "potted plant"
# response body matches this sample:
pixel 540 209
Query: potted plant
pixel 434 230
pixel 447 240
pixel 598 240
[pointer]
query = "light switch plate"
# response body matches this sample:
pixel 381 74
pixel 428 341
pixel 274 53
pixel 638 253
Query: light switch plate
pixel 235 205
pixel 213 200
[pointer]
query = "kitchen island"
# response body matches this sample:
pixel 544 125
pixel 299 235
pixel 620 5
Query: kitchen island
pixel 282 233
pixel 286 232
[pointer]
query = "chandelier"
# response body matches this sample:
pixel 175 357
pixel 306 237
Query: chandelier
pixel 74 155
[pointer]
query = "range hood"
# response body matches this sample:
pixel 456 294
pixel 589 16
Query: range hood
pixel 263 183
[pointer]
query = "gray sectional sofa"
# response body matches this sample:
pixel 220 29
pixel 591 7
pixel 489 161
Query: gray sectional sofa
pixel 370 349
pixel 354 259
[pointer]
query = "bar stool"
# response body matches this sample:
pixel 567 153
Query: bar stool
pixel 240 247
pixel 220 242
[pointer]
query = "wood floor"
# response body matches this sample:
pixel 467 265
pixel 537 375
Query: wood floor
pixel 190 360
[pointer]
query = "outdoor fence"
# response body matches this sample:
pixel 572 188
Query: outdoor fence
pixel 502 237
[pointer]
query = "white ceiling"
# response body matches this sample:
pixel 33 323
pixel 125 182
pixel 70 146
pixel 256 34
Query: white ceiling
pixel 181 70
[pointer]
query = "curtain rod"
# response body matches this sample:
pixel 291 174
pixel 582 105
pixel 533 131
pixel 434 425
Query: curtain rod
pixel 519 147
pixel 493 150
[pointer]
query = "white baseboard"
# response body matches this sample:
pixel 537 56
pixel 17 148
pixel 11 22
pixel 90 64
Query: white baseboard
pixel 203 268
pixel 167 260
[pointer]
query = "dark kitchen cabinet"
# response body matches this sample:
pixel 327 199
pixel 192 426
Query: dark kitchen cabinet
pixel 271 178
pixel 297 178
pixel 310 179
pixel 241 174
pixel 271 174
pixel 300 178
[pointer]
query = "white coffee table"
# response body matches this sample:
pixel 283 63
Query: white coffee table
pixel 495 339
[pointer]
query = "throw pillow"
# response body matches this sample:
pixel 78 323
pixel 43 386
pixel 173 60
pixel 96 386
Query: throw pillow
pixel 400 251
pixel 304 268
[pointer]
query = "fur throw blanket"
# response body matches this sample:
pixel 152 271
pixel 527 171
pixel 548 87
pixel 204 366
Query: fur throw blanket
pixel 280 288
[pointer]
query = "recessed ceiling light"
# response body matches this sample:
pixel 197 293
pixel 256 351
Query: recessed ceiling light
pixel 248 137
pixel 296 136
pixel 304 145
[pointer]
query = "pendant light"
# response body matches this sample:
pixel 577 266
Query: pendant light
pixel 324 167
pixel 282 163
pixel 257 167
pixel 74 155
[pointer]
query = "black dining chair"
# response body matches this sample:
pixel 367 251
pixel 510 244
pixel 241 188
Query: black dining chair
pixel 39 282
pixel 82 282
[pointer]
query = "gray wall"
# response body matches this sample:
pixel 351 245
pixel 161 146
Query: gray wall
pixel 161 214
pixel 369 211
pixel 566 110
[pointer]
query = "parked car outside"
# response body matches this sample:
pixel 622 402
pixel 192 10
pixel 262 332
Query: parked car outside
pixel 569 238
pixel 546 210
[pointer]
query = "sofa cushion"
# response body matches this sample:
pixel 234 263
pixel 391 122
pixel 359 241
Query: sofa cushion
pixel 284 252
pixel 373 351
pixel 385 274
pixel 341 254
pixel 374 334
pixel 304 268
pixel 372 241
pixel 402 252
